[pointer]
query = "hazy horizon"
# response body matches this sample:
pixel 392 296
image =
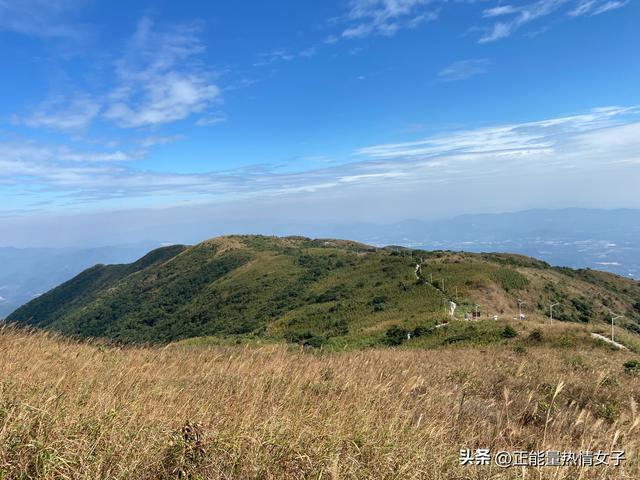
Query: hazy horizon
pixel 335 113
pixel 151 227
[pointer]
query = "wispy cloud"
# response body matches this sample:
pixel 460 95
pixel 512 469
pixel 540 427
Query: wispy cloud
pixel 519 17
pixel 600 138
pixel 365 18
pixel 499 10
pixel 63 113
pixel 544 136
pixel 275 55
pixel 154 140
pixel 308 52
pixel 463 69
pixel 159 79
pixel 283 55
pixel 213 119
pixel 384 17
pixel 41 18
pixel 596 7
pixel 36 156
pixel 513 18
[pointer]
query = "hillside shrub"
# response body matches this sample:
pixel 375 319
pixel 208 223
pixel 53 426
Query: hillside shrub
pixel 306 338
pixel 395 335
pixel 565 341
pixel 510 279
pixel 536 335
pixel 459 337
pixel 315 341
pixel 470 333
pixel 609 412
pixel 378 303
pixel 509 332
pixel 584 308
pixel 317 266
pixel 634 327
pixel 334 293
pixel 340 327
pixel 632 367
pixel 421 330
pixel 576 362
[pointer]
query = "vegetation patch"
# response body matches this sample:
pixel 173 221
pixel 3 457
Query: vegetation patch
pixel 632 367
pixel 509 332
pixel 349 294
pixel 510 279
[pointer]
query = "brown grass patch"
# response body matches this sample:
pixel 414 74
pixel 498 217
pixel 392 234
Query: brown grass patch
pixel 83 411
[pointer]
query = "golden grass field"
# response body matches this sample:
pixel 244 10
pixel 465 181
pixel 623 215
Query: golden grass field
pixel 72 410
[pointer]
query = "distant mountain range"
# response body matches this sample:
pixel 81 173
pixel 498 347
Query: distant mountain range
pixel 606 240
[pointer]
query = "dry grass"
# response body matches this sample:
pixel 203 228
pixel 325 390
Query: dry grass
pixel 80 411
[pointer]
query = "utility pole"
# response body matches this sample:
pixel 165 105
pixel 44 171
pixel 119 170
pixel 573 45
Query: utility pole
pixel 551 311
pixel 477 315
pixel 614 317
pixel 520 303
pixel 456 293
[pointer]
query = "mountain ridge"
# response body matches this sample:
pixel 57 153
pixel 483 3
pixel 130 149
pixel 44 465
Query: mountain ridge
pixel 296 289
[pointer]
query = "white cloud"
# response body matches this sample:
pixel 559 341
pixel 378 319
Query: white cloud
pixel 602 127
pixel 463 69
pixel 275 55
pixel 66 114
pixel 365 18
pixel 69 155
pixel 368 176
pixel 618 141
pixel 283 55
pixel 308 52
pixel 41 18
pixel 596 7
pixel 34 158
pixel 154 140
pixel 607 6
pixel 515 17
pixel 331 40
pixel 598 139
pixel 384 17
pixel 583 8
pixel 498 11
pixel 210 120
pixel 499 30
pixel 159 79
pixel 167 98
pixel 520 16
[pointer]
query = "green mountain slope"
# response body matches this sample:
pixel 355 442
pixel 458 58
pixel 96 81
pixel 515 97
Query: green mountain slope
pixel 307 290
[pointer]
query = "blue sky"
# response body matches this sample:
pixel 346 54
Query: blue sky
pixel 346 110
